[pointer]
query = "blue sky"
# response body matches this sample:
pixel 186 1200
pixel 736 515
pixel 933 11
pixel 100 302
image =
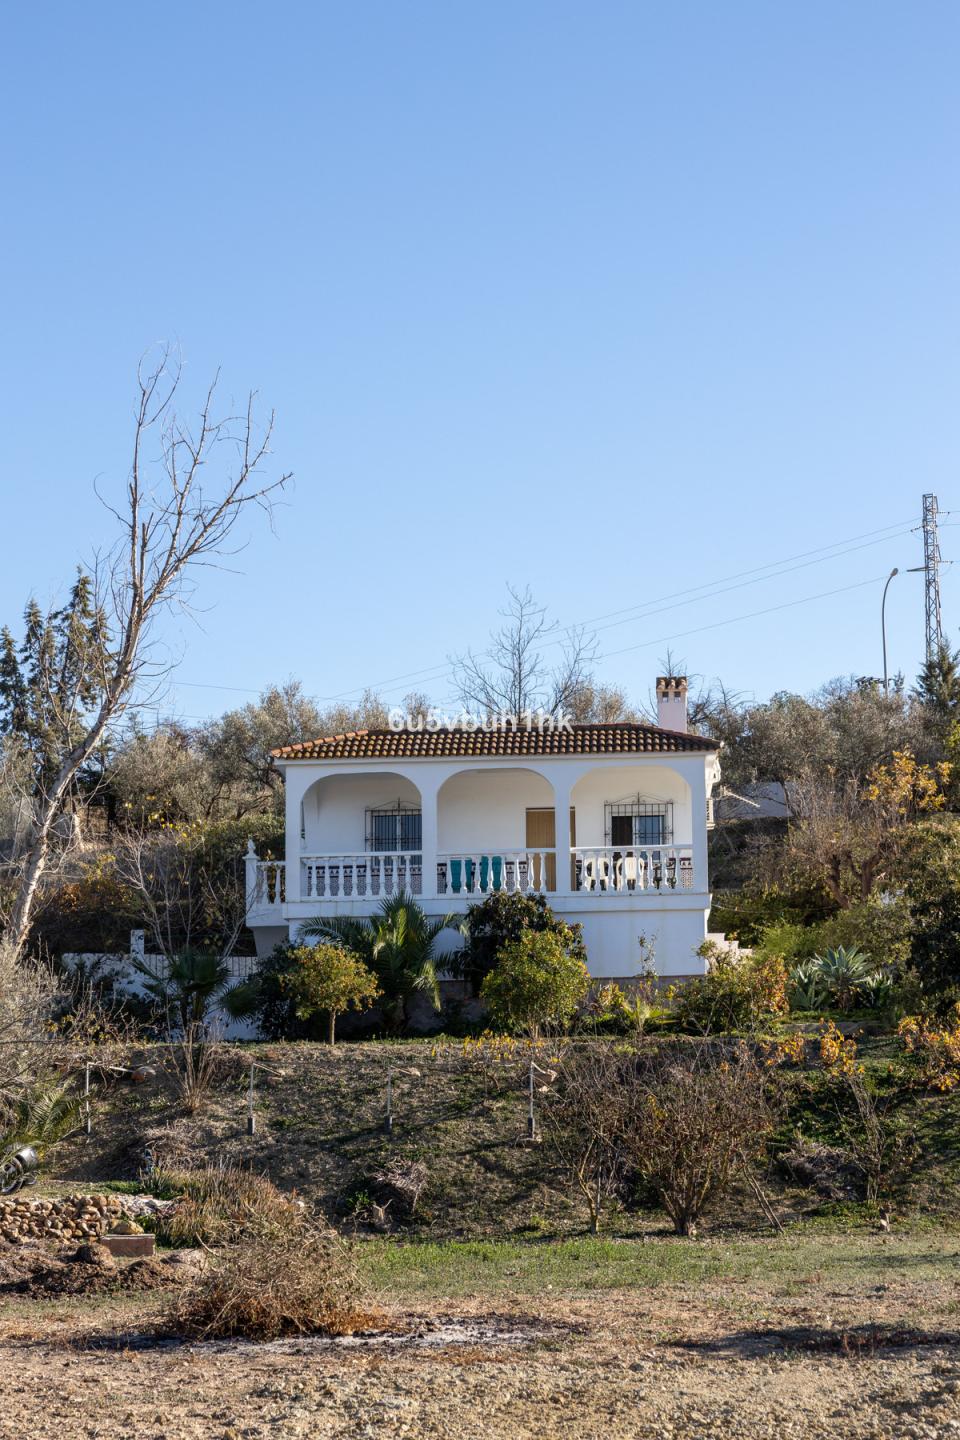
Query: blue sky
pixel 613 300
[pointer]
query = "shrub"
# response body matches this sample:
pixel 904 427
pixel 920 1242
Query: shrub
pixel 881 928
pixel 585 1113
pixel 502 919
pixel 92 913
pixel 935 1046
pixel 297 1285
pixel 697 1117
pixel 737 992
pixel 841 979
pixel 327 979
pixel 880 1146
pixel 609 1010
pixel 537 983
pixel 274 1007
pixel 222 1204
pixel 747 914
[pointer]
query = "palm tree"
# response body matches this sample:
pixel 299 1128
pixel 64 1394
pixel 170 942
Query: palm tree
pixel 196 981
pixel 398 943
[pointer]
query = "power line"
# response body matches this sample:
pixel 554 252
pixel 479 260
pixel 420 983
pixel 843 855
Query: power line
pixel 643 610
pixel 751 615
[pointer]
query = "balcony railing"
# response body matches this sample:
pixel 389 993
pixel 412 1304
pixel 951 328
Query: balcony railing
pixel 266 886
pixel 620 869
pixel 594 870
pixel 372 873
pixel 472 872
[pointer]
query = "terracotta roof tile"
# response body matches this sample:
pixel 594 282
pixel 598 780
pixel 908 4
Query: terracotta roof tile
pixel 612 739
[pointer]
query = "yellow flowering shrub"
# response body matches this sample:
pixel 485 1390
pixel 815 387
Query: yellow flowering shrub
pixel 935 1048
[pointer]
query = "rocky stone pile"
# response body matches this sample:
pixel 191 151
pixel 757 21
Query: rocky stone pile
pixel 66 1218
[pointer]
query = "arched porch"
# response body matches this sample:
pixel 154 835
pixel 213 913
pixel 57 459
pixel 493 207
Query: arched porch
pixel 361 837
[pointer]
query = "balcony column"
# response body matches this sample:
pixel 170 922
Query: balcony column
pixel 294 810
pixel 561 809
pixel 698 817
pixel 429 788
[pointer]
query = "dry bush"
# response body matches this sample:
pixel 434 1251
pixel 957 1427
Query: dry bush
pixel 698 1116
pixel 197 1061
pixel 299 1284
pixel 223 1204
pixel 585 1113
pixel 400 1183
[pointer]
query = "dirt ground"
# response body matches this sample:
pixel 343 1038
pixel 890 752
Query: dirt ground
pixel 809 1359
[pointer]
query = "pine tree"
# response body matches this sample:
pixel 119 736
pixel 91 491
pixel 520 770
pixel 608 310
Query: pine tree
pixel 938 684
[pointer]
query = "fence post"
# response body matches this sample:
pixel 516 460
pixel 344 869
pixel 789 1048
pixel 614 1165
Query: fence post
pixel 251 1118
pixel 388 1123
pixel 531 1117
pixel 86 1099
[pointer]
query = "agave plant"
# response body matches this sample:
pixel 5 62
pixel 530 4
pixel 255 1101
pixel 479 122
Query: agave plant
pixel 398 943
pixel 807 991
pixel 877 991
pixel 844 973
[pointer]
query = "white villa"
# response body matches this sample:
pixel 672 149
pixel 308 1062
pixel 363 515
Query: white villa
pixel 610 821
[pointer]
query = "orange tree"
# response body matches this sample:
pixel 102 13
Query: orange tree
pixel 327 979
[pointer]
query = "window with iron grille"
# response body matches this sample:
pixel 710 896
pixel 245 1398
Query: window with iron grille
pixel 395 827
pixel 636 822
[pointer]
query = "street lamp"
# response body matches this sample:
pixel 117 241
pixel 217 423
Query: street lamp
pixel 913 570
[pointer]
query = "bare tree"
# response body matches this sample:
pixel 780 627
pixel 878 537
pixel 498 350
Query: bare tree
pixel 585 1113
pixel 699 1116
pixel 175 518
pixel 188 898
pixel 512 676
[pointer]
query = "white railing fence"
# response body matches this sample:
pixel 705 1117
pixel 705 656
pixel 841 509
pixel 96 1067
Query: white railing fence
pixel 482 872
pixel 372 873
pixel 594 870
pixel 620 869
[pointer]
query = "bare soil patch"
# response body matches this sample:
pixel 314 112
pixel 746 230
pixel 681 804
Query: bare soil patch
pixel 869 1357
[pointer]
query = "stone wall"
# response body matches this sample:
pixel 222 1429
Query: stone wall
pixel 64 1218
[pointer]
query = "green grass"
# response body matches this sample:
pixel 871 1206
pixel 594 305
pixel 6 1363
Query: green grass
pixel 457 1268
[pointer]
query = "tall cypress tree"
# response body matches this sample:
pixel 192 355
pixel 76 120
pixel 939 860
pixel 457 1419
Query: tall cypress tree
pixel 49 683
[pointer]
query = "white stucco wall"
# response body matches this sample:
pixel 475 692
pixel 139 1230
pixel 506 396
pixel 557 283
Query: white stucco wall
pixel 485 808
pixel 479 810
pixel 603 785
pixel 335 809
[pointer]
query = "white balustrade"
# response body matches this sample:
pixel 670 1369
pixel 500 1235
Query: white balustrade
pixel 373 874
pixel 481 872
pixel 623 869
pixel 595 870
pixel 267 885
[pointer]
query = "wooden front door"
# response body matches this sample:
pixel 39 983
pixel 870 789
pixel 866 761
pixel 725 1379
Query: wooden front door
pixel 542 835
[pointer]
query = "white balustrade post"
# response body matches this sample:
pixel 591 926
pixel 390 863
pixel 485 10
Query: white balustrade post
pixel 250 865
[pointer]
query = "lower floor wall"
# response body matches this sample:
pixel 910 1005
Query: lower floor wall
pixel 620 942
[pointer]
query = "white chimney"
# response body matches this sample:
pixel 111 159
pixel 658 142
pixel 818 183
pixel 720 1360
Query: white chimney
pixel 672 702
